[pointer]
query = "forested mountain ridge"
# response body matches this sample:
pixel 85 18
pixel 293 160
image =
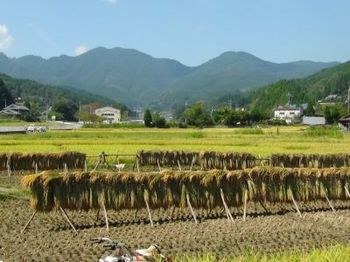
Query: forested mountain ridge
pixel 329 81
pixel 135 78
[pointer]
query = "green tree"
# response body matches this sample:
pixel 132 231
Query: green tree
pixel 310 109
pixel 159 121
pixel 67 108
pixel 147 118
pixel 33 114
pixel 332 114
pixel 5 95
pixel 197 115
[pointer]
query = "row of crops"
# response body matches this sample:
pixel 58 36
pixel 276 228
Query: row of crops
pixel 116 191
pixel 206 160
pixel 41 161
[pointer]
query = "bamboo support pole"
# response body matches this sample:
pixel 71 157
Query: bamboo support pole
pixel 190 206
pixel 8 170
pixel 227 210
pixel 138 166
pixel 245 205
pixel 68 220
pixel 329 202
pixel 98 215
pixel 263 206
pixel 192 163
pixel 160 170
pixel 149 212
pixel 347 191
pixel 295 204
pixel 29 221
pixel 178 164
pixel 65 168
pixel 172 212
pixel 85 166
pixel 106 217
pixel 36 168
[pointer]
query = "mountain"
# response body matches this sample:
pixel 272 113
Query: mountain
pixel 237 71
pixel 135 78
pixel 329 81
pixel 32 91
pixel 120 74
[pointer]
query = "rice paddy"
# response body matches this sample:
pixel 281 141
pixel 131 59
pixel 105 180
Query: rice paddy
pixel 130 141
pixel 267 232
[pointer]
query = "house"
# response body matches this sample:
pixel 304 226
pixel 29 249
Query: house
pixel 290 114
pixel 17 109
pixel 329 100
pixel 314 120
pixel 109 114
pixel 344 122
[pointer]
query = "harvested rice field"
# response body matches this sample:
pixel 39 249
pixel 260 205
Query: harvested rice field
pixel 278 229
pixel 49 237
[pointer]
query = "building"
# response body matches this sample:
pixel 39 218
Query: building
pixel 344 122
pixel 330 100
pixel 290 114
pixel 314 120
pixel 17 109
pixel 109 114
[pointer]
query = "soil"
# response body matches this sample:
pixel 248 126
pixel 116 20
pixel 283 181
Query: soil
pixel 49 237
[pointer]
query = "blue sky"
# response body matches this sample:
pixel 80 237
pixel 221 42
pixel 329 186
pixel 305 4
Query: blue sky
pixel 191 31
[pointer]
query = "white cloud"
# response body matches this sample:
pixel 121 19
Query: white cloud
pixel 113 2
pixel 5 38
pixel 79 50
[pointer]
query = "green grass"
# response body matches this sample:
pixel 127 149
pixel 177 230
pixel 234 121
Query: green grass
pixel 13 192
pixel 262 142
pixel 331 254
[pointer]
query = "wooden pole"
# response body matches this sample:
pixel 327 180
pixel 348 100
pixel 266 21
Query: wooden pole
pixel 295 204
pixel 65 168
pixel 36 168
pixel 29 221
pixel 172 212
pixel 68 220
pixel 347 191
pixel 106 217
pixel 329 202
pixel 8 170
pixel 160 170
pixel 190 206
pixel 228 214
pixel 85 167
pixel 192 163
pixel 245 204
pixel 178 163
pixel 149 211
pixel 98 215
pixel 263 206
pixel 138 166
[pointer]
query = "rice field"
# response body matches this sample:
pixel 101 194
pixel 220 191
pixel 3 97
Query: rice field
pixel 124 140
pixel 277 235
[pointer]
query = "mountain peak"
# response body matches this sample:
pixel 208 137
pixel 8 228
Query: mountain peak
pixel 135 78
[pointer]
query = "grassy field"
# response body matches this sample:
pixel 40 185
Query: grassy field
pixel 257 141
pixel 336 253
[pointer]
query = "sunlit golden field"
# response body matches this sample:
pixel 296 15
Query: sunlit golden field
pixel 257 141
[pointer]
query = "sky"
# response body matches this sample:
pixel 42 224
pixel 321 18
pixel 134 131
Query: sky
pixel 190 31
